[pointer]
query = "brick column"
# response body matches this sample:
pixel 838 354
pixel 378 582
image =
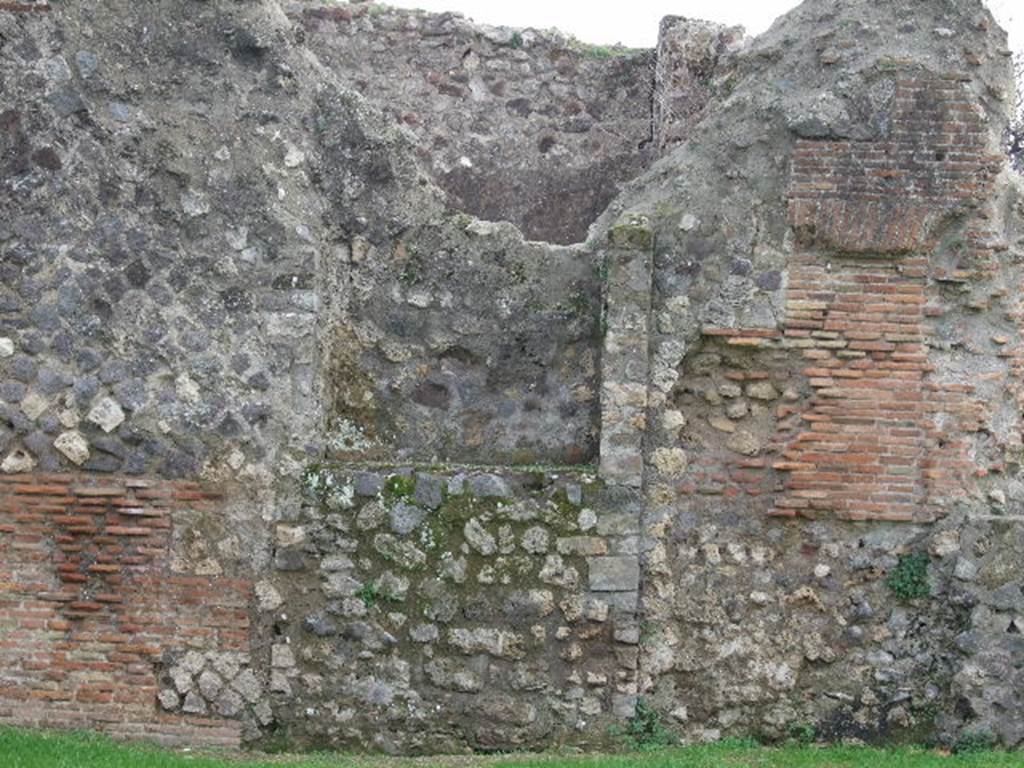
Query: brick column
pixel 870 218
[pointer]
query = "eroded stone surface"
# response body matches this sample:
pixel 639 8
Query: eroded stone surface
pixel 73 445
pixel 107 414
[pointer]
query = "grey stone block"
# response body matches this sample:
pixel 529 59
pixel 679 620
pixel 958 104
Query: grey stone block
pixel 614 574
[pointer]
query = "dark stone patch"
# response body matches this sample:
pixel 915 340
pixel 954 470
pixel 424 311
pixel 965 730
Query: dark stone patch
pixel 293 281
pixel 289 560
pixel 368 483
pixel 137 274
pixel 87 63
pixel 240 363
pixel 88 359
pixel 113 372
pixel 741 267
pixel 132 394
pixel 699 248
pixel 236 300
pixel 256 414
pixel 85 388
pixel 429 491
pixel 47 159
pixel 229 427
pixel 33 343
pixel 66 101
pixel 259 381
pixel 770 280
pixel 247 49
pixel 520 107
pixel 114 287
pixel 22 368
pixel 51 381
pixel 319 625
pixel 108 444
pixel 432 395
pixel 449 89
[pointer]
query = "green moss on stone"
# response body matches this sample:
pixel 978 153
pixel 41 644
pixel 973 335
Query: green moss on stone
pixel 632 231
pixel 371 595
pixel 399 487
pixel 565 508
pixel 446 524
pixel 601 52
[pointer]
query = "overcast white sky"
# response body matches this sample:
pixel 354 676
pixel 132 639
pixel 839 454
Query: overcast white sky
pixel 635 22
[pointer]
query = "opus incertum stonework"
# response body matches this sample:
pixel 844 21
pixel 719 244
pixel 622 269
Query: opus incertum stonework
pixel 375 380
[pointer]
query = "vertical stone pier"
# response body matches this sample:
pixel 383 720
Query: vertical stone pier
pixel 628 263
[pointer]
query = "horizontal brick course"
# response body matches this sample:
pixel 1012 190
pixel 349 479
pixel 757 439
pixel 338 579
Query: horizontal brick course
pixel 25 6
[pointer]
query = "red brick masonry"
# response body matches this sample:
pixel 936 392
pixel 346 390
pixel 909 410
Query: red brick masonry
pixel 88 605
pixel 25 7
pixel 883 434
pixel 888 196
pixel 859 326
pixel 871 447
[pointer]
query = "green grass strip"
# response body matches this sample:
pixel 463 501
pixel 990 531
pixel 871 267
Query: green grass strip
pixel 31 749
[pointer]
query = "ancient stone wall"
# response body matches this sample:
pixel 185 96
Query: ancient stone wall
pixel 230 317
pixel 428 609
pixel 421 367
pixel 526 126
pixel 843 356
pixel 295 452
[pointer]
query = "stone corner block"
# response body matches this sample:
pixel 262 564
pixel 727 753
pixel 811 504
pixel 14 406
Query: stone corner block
pixel 614 573
pixel 632 231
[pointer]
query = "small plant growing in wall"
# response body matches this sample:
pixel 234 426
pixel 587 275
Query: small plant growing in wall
pixel 974 742
pixel 803 733
pixel 645 729
pixel 371 595
pixel 909 579
pixel 399 487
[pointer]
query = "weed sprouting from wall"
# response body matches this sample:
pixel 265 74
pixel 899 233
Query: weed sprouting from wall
pixel 909 580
